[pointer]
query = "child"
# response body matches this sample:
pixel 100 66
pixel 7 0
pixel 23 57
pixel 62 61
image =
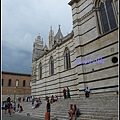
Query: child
pixel 14 106
pixel 10 109
pixel 21 109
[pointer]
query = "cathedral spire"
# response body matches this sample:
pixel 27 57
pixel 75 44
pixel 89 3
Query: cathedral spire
pixel 38 37
pixel 51 31
pixel 38 48
pixel 59 27
pixel 51 37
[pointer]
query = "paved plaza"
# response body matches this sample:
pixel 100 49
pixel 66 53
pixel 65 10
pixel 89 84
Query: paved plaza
pixel 15 116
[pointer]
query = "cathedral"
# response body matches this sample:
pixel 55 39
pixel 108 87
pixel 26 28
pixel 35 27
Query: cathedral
pixel 86 57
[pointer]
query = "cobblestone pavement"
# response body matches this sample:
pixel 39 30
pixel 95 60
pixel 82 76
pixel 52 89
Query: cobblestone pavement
pixel 16 117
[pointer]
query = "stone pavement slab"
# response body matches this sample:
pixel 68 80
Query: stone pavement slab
pixel 16 117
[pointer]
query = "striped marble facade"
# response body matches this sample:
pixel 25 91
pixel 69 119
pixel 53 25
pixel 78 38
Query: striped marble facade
pixel 93 55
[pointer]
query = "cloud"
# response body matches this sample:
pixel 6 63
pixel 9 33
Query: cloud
pixel 22 20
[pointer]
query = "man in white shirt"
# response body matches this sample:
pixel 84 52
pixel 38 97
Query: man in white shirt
pixel 87 91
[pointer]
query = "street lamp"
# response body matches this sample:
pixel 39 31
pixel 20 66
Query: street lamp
pixel 14 92
pixel 16 85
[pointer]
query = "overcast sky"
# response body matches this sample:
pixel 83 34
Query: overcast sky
pixel 22 21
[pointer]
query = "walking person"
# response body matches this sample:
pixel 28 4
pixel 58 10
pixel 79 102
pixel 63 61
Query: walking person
pixel 64 93
pixel 18 106
pixel 6 106
pixel 32 100
pixel 68 92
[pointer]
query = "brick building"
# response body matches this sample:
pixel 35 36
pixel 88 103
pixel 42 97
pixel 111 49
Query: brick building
pixel 15 85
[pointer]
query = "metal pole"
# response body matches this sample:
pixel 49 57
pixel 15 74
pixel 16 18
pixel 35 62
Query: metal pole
pixel 14 92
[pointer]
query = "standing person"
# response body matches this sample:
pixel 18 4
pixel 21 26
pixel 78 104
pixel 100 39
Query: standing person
pixel 6 107
pixel 68 92
pixel 8 100
pixel 47 114
pixel 23 99
pixel 64 93
pixel 10 107
pixel 14 107
pixel 17 98
pixel 87 91
pixel 18 106
pixel 32 100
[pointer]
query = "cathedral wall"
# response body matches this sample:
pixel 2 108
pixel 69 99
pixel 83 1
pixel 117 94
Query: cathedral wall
pixel 54 84
pixel 104 72
pixel 102 75
pixel 91 55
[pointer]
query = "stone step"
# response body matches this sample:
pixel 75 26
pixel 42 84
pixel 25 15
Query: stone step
pixel 83 115
pixel 93 108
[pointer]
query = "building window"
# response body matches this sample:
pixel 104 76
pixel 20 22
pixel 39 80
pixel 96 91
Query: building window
pixel 17 83
pixel 108 20
pixel 2 82
pixel 67 62
pixel 51 66
pixel 24 83
pixel 114 59
pixel 9 82
pixel 40 71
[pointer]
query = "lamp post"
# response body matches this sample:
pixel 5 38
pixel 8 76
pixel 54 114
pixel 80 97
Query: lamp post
pixel 14 93
pixel 16 86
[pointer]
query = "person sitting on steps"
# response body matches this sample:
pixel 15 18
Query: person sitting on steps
pixel 70 111
pixel 21 109
pixel 36 105
pixel 75 112
pixel 87 91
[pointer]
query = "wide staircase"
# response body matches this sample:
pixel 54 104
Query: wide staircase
pixel 96 107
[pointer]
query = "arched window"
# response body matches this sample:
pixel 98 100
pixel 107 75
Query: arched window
pixel 107 16
pixel 17 83
pixel 40 70
pixel 51 66
pixel 9 82
pixel 67 63
pixel 24 83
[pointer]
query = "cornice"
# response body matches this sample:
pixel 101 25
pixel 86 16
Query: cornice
pixel 72 2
